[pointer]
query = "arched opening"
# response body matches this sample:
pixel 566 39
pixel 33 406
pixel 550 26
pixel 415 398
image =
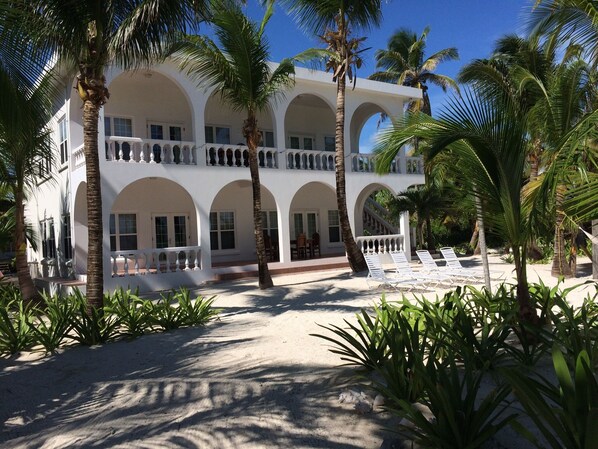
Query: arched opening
pixel 157 127
pixel 366 122
pixel 153 225
pixel 309 125
pixel 372 215
pixel 314 211
pixel 231 224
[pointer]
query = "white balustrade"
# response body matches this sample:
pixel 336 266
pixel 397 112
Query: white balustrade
pixel 155 261
pixel 415 166
pixel 78 157
pixel 366 163
pixel 380 244
pixel 309 160
pixel 238 156
pixel 154 151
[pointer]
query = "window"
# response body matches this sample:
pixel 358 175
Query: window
pixel 48 239
pixel 62 141
pixel 329 143
pixel 270 225
pixel 222 230
pixel 44 167
pixel 123 127
pixel 334 229
pixel 217 134
pixel 123 232
pixel 301 142
pixel 305 223
pixel 267 139
pixel 156 132
pixel 66 237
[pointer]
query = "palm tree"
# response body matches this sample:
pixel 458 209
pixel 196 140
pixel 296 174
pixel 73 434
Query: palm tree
pixel 335 21
pixel 490 136
pixel 240 72
pixel 86 37
pixel 403 63
pixel 25 141
pixel 423 202
pixel 568 19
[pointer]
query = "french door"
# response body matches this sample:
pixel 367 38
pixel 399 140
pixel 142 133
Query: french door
pixel 170 230
pixel 305 223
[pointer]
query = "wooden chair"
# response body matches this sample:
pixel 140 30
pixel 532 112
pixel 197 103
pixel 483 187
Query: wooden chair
pixel 300 247
pixel 315 245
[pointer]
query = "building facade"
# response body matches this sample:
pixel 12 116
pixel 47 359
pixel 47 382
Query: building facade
pixel 176 187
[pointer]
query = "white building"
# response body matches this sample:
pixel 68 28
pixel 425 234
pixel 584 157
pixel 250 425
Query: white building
pixel 176 190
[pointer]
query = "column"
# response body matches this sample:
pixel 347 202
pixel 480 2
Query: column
pixel 404 229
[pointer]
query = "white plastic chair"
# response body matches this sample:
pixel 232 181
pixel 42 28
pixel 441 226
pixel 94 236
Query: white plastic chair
pixel 430 265
pixel 453 262
pixel 404 270
pixel 377 274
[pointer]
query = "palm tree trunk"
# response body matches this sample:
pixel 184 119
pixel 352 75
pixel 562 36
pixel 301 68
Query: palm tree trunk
pixel 26 285
pixel 420 233
pixel 251 133
pixel 527 312
pixel 95 267
pixel 354 255
pixel 429 236
pixel 473 241
pixel 594 250
pixel 482 242
pixel 560 267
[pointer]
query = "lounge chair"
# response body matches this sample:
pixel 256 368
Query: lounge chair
pixel 453 262
pixel 377 274
pixel 430 265
pixel 403 270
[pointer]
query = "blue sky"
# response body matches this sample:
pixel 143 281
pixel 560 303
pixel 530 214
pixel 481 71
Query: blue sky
pixel 470 25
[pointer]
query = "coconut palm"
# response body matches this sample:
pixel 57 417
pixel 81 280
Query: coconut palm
pixel 240 72
pixel 490 137
pixel 568 19
pixel 86 37
pixel 25 141
pixel 335 21
pixel 423 202
pixel 404 63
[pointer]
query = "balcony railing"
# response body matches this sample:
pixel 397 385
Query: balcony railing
pixel 380 244
pixel 155 261
pixel 238 156
pixel 152 151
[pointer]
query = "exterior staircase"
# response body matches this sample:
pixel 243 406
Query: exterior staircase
pixel 376 219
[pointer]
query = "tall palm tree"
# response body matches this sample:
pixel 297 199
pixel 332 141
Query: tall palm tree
pixel 568 19
pixel 240 72
pixel 86 37
pixel 335 21
pixel 25 141
pixel 490 136
pixel 404 63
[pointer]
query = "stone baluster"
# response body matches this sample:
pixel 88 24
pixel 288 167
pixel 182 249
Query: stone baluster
pixel 126 265
pixel 114 267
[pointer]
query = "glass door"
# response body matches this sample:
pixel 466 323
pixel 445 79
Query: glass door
pixel 304 223
pixel 170 230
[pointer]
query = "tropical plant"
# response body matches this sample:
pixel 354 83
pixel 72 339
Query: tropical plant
pixel 566 414
pixel 335 21
pixel 195 312
pixel 16 331
pixel 404 63
pixel 90 325
pixel 132 312
pixel 460 418
pixel 25 146
pixel 240 71
pixel 88 36
pixel 164 314
pixel 423 202
pixel 54 322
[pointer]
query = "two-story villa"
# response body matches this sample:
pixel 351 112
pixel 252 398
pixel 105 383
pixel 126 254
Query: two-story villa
pixel 176 186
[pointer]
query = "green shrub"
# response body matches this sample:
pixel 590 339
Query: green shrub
pixel 195 313
pixel 132 313
pixel 91 326
pixel 164 315
pixel 567 414
pixel 54 322
pixel 16 332
pixel 461 420
pixel 364 344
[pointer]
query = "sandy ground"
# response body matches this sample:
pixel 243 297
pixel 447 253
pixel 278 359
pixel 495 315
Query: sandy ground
pixel 254 379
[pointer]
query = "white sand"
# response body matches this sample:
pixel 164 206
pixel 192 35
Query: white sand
pixel 255 379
